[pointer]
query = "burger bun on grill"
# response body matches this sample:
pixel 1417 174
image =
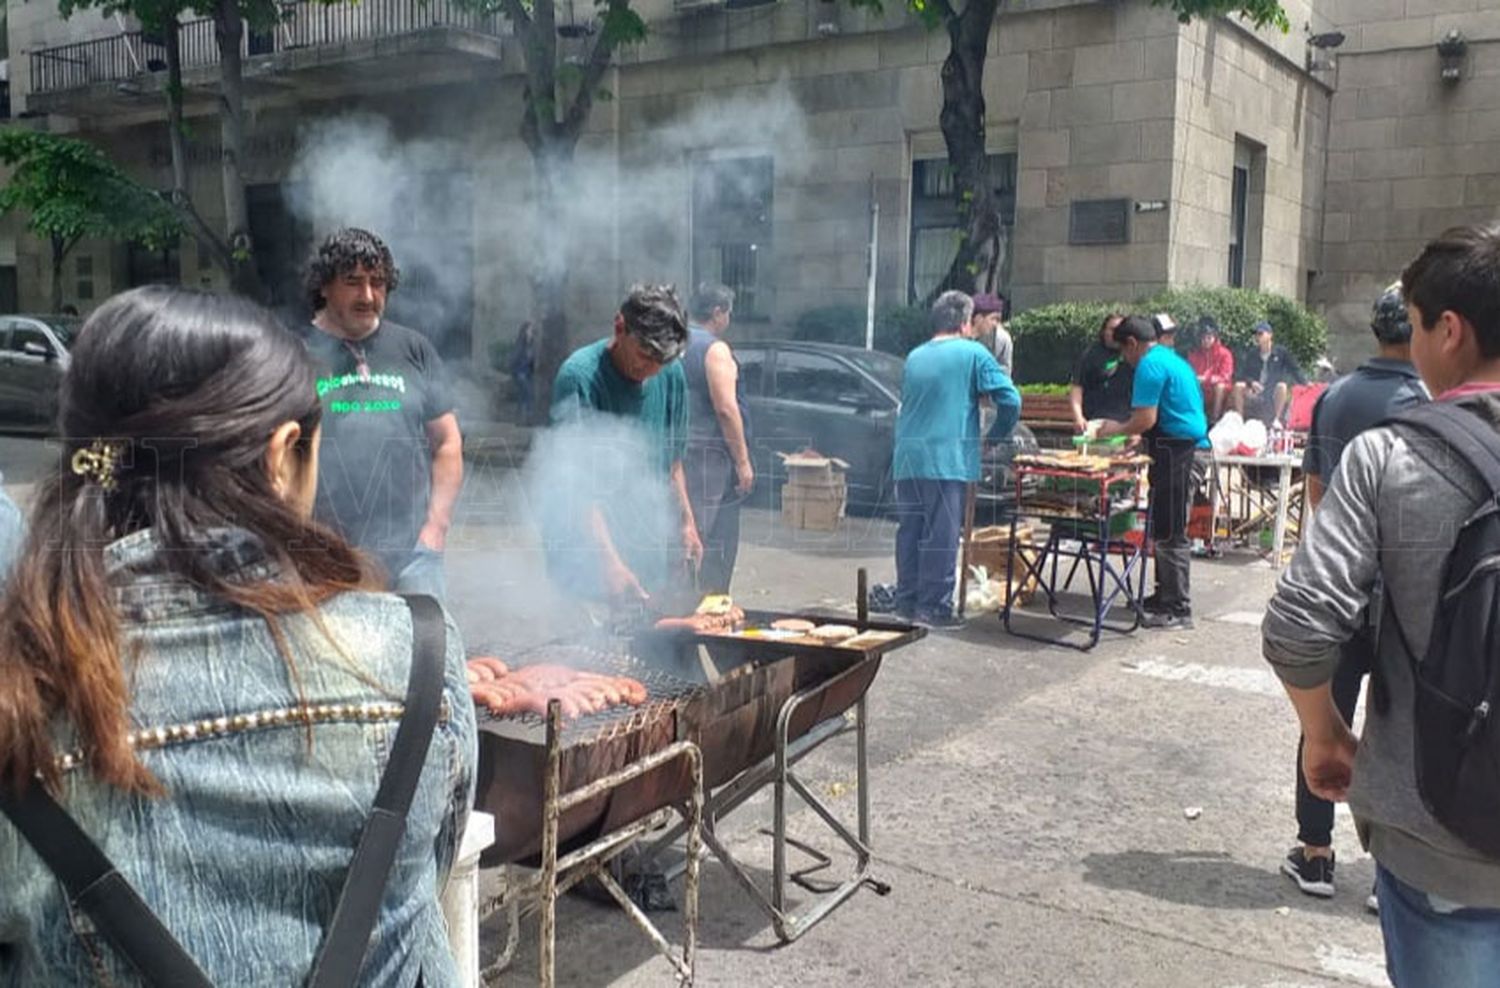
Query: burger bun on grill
pixel 793 624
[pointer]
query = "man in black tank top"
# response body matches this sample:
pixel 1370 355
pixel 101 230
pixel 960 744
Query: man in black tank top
pixel 717 462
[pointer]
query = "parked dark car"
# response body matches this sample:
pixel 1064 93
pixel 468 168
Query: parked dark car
pixel 841 401
pixel 33 357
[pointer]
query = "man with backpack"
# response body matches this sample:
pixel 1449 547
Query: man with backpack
pixel 1412 509
pixel 1379 388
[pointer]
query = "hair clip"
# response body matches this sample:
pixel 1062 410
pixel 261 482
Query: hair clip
pixel 98 462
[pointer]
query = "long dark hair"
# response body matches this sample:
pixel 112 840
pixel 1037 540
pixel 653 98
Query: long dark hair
pixel 189 388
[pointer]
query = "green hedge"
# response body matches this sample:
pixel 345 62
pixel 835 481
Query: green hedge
pixel 1050 338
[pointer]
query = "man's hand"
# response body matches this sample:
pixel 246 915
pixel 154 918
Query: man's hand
pixel 433 536
pixel 1255 387
pixel 1328 764
pixel 746 475
pixel 622 585
pixel 1080 424
pixel 692 546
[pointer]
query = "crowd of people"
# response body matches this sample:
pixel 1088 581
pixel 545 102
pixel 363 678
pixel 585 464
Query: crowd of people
pixel 211 616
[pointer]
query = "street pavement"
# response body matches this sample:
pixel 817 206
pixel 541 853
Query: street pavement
pixel 1030 802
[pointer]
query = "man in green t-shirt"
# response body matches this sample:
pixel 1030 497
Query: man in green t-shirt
pixel 625 395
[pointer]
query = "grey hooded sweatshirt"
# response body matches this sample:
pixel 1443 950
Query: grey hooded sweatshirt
pixel 1391 513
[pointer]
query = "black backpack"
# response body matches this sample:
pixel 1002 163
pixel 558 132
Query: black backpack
pixel 1457 737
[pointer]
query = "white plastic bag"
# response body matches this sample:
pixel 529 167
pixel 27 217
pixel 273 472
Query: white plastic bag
pixel 983 593
pixel 1225 435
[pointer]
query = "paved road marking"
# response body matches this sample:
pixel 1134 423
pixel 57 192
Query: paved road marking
pixel 1366 969
pixel 1258 681
pixel 1251 618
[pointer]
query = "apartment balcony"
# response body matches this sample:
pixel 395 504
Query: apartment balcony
pixel 316 50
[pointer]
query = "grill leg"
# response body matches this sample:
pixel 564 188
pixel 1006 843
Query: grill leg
pixel 862 769
pixel 546 952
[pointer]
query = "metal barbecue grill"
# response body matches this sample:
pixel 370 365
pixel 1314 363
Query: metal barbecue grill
pixel 724 713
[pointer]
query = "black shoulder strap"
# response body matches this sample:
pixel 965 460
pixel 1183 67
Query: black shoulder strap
pixel 1474 439
pixel 343 952
pixel 97 889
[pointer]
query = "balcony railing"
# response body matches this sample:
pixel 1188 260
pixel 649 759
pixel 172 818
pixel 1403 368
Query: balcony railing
pixel 303 24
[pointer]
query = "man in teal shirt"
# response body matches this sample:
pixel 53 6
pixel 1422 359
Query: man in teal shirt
pixel 623 396
pixel 1167 409
pixel 937 454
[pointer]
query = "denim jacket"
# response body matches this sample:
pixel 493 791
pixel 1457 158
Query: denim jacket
pixel 245 855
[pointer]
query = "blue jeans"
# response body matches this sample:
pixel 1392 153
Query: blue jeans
pixel 930 516
pixel 1432 943
pixel 423 574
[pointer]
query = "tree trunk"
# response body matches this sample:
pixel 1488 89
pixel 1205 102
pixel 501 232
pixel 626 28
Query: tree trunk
pixel 229 30
pixel 177 141
pixel 550 126
pixel 976 263
pixel 59 252
pixel 553 167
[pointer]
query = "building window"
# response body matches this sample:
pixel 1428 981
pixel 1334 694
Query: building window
pixel 83 268
pixel 1239 202
pixel 732 233
pixel 936 228
pixel 1247 211
pixel 144 266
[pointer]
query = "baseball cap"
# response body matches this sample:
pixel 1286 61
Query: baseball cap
pixel 1263 327
pixel 987 302
pixel 1388 320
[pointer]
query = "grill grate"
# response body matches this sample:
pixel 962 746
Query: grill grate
pixel 665 694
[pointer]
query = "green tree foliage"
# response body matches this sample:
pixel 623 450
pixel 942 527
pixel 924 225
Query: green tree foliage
pixel 231 247
pixel 70 190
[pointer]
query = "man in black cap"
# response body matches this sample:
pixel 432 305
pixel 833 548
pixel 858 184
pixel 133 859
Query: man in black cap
pixel 1380 388
pixel 1266 376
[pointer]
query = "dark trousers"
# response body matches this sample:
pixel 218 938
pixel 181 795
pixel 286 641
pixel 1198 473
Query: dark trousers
pixel 1315 815
pixel 1173 478
pixel 930 516
pixel 711 482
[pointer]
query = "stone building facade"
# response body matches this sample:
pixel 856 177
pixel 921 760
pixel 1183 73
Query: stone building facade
pixel 749 143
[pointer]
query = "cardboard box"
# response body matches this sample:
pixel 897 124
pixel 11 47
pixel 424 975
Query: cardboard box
pixel 813 470
pixel 818 507
pixel 990 547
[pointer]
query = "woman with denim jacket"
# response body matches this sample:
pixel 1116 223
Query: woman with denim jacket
pixel 202 675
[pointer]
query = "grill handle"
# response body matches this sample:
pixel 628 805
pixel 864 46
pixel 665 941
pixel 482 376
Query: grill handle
pixel 862 598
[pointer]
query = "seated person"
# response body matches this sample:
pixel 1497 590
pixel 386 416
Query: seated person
pixel 1214 364
pixel 1263 388
pixel 206 679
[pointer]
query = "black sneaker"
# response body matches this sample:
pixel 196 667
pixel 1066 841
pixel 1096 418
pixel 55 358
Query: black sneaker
pixel 941 620
pixel 1152 604
pixel 1314 875
pixel 1168 620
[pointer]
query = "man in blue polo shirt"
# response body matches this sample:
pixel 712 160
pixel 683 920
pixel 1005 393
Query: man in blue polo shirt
pixel 1167 409
pixel 937 454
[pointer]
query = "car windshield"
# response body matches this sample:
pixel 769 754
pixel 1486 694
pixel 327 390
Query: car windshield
pixel 882 366
pixel 65 328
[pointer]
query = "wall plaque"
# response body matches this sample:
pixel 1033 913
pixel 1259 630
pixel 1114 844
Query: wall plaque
pixel 1099 221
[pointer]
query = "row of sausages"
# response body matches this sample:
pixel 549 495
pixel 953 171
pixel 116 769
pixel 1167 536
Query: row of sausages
pixel 507 692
